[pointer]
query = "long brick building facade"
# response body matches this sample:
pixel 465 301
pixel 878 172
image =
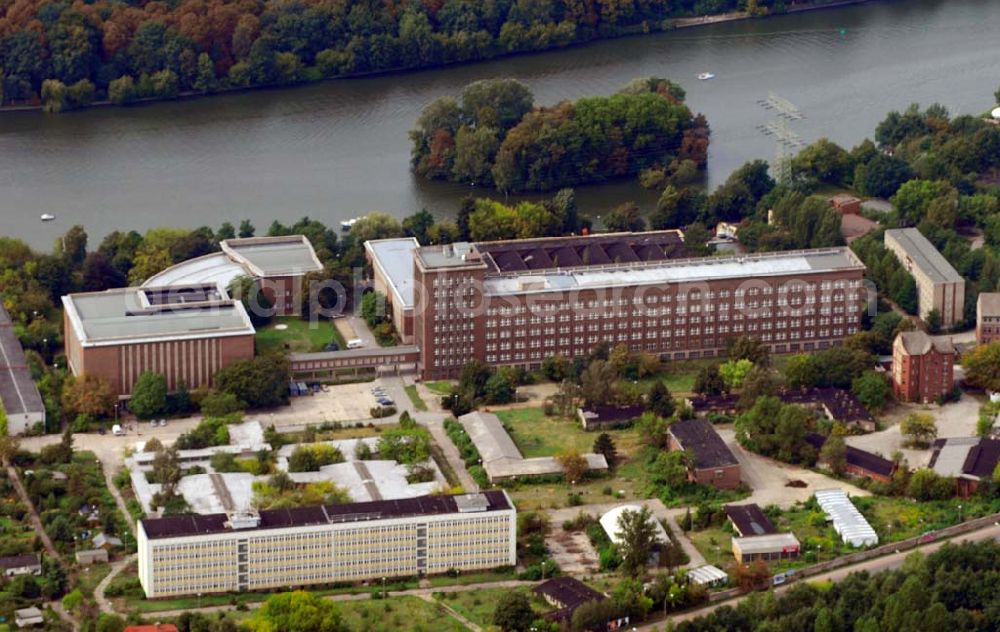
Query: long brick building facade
pixel 518 302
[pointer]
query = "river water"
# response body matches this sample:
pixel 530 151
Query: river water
pixel 339 149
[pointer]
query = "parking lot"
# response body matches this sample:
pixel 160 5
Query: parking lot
pixel 337 402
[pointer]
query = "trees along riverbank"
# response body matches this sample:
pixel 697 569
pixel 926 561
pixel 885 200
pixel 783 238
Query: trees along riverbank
pixel 67 56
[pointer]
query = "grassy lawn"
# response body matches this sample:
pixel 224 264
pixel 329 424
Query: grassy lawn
pixel 477 605
pixel 300 336
pixel 88 577
pixel 441 387
pixel 715 544
pixel 538 435
pixel 473 578
pixel 897 519
pixel 418 403
pixel 397 613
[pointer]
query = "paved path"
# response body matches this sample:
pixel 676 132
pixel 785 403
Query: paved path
pixel 36 521
pixel 116 568
pixel 67 618
pixel 454 613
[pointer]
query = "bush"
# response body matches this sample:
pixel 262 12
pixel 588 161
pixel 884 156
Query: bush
pixel 217 404
pixel 380 412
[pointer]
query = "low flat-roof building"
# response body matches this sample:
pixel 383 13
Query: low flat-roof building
pixel 714 463
pixel 772 546
pixel 19 397
pixel 858 462
pixel 91 556
pixel 324 544
pixel 988 317
pixel 501 458
pixel 186 333
pixel 923 368
pixel 602 417
pixel 968 460
pixel 566 594
pixel 708 575
pixel 939 285
pixel 27 564
pixel 277 262
pixel 392 267
pixel 28 617
pixel 749 520
pixel 845 204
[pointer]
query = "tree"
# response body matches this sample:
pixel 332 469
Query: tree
pixel 247 290
pixel 638 536
pixel 925 485
pixel 759 382
pixel 734 372
pixel 933 320
pixel 89 395
pixel 872 390
pixel 598 383
pixel 659 401
pixel 605 445
pixel 149 395
pixel 709 381
pixel 260 382
pixel 513 612
pixel 653 429
pixel 246 229
pixel 834 453
pixel 747 348
pixel 99 273
pixel 982 367
pixel 920 429
pixel 574 465
pixel 300 611
pixel 625 218
pixel 751 576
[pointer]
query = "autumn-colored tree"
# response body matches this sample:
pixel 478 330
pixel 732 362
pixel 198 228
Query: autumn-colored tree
pixel 89 395
pixel 573 464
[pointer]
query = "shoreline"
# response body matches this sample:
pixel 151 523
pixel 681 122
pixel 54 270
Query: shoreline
pixel 635 31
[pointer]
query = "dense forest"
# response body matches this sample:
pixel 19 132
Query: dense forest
pixel 951 590
pixel 68 54
pixel 496 136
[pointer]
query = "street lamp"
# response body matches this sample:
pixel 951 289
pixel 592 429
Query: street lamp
pixel 383 588
pixel 960 513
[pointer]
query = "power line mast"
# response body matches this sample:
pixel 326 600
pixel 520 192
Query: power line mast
pixel 785 139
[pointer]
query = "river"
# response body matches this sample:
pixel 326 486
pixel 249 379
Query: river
pixel 339 149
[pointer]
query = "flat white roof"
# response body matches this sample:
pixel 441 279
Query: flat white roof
pixel 394 257
pixel 287 255
pixel 707 574
pixel 216 268
pixel 847 520
pixel 118 317
pixel 770 543
pixel 683 271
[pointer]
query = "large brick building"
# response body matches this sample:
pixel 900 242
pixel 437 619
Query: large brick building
pixel 988 317
pixel 326 544
pixel 278 264
pixel 939 285
pixel 923 368
pixel 185 333
pixel 518 302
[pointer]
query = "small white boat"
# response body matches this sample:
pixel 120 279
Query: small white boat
pixel 47 217
pixel 705 76
pixel 348 224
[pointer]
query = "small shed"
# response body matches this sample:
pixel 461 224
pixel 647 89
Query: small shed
pixel 91 556
pixel 102 541
pixel 28 617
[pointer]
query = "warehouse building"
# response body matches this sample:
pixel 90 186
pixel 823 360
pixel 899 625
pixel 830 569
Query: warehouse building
pixel 186 333
pixel 517 302
pixel 19 397
pixel 773 546
pixel 325 544
pixel 939 285
pixel 968 460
